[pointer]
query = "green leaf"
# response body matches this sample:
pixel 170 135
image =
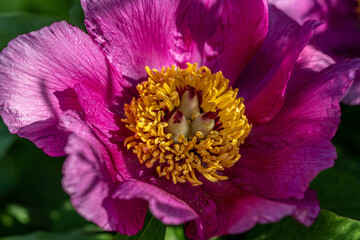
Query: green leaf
pixel 14 24
pixel 13 5
pixel 338 191
pixel 61 236
pixel 6 139
pixel 32 180
pixel 328 226
pixel 56 8
pixel 9 177
pixel 153 230
pixel 76 15
pixel 66 218
pixel 175 233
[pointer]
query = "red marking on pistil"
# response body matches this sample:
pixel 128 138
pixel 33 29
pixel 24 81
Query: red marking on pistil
pixel 167 114
pixel 178 116
pixel 209 115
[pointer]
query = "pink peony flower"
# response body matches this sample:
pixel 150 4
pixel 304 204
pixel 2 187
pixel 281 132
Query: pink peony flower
pixel 338 37
pixel 217 148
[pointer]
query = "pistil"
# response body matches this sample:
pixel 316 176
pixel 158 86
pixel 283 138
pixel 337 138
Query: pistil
pixel 177 125
pixel 190 104
pixel 202 124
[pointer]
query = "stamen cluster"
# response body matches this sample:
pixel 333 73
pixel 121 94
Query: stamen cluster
pixel 186 122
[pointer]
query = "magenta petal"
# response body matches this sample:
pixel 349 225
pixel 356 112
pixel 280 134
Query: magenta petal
pixel 237 210
pixel 264 81
pixel 35 67
pixel 86 178
pixel 284 155
pixel 353 96
pixel 89 181
pixel 126 216
pixel 241 29
pixel 302 10
pixel 164 206
pixel 307 209
pixel 245 210
pixel 338 36
pixel 133 34
pixel 105 124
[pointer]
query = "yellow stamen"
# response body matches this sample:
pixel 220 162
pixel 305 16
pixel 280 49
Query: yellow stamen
pixel 357 10
pixel 187 123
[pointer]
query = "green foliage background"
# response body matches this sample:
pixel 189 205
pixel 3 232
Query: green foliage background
pixel 33 205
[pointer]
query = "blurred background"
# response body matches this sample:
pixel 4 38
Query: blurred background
pixel 33 205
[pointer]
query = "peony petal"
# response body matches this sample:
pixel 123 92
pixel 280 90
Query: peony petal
pixel 36 69
pixel 126 216
pixel 89 180
pixel 110 130
pixel 301 10
pixel 133 33
pixel 238 210
pixel 240 30
pixel 263 82
pixel 307 209
pixel 282 157
pixel 338 36
pixel 164 206
pixel 338 16
pixel 353 96
pixel 136 33
pixel 86 178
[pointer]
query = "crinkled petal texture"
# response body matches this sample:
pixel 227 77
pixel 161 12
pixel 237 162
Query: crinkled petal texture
pixel 283 154
pixel 222 35
pixel 263 88
pixel 37 73
pixel 338 36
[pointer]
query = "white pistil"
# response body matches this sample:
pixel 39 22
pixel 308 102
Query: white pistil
pixel 178 125
pixel 189 105
pixel 202 124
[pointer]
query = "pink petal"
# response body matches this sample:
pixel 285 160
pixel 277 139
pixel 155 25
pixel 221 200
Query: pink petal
pixel 126 216
pixel 237 211
pixel 353 96
pixel 89 179
pixel 164 206
pixel 307 209
pixel 263 82
pixel 301 10
pixel 86 178
pixel 134 34
pixel 240 30
pixel 110 130
pixel 36 69
pixel 338 36
pixel 199 201
pixel 284 155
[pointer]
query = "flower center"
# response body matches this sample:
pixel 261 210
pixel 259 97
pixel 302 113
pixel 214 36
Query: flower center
pixel 357 10
pixel 187 122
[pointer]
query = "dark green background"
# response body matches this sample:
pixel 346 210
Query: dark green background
pixel 33 205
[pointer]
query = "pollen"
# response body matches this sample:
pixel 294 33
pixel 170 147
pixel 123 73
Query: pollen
pixel 188 124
